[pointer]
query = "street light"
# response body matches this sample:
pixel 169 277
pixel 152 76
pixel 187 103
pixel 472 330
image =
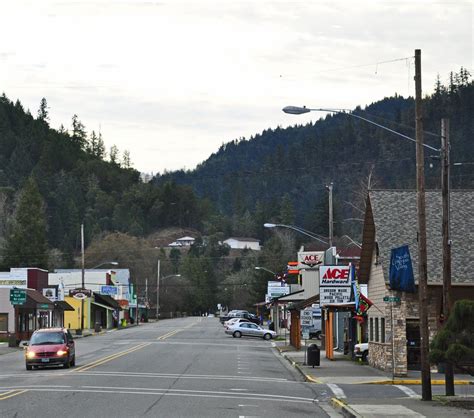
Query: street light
pixel 158 291
pixel 264 269
pixel 298 229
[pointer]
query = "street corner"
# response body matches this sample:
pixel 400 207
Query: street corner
pixel 343 408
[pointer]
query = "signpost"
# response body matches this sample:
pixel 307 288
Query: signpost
pixel 109 290
pixel 392 300
pixel 17 296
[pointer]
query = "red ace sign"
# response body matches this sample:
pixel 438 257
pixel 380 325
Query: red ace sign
pixel 334 276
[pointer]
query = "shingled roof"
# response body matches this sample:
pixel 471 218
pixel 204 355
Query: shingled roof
pixel 391 221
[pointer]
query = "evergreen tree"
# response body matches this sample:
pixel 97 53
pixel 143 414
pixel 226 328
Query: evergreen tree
pixel 126 160
pixel 79 135
pixel 114 154
pixel 26 245
pixel 287 210
pixel 43 113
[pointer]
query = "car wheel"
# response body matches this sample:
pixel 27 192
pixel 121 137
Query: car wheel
pixel 28 367
pixel 364 355
pixel 67 364
pixel 318 335
pixel 267 336
pixel 73 362
pixel 237 334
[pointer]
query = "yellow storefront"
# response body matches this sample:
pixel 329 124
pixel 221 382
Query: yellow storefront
pixel 72 319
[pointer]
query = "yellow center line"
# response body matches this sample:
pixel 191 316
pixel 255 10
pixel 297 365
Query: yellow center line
pixel 11 394
pixel 171 333
pixel 109 358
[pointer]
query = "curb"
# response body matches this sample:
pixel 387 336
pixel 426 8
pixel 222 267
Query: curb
pixel 343 408
pixel 307 377
pixel 413 382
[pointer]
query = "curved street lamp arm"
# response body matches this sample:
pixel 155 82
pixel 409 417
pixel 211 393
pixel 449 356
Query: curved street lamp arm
pixel 302 231
pixel 265 269
pixel 295 110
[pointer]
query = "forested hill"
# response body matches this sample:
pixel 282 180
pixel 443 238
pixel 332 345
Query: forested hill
pixel 281 174
pixel 52 181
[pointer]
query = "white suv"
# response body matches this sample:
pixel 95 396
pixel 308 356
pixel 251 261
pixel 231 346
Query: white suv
pixel 361 351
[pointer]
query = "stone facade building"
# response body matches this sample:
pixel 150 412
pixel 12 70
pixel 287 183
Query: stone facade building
pixel 390 222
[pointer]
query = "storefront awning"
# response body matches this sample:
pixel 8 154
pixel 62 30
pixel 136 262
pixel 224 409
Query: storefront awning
pixel 107 300
pixel 63 305
pixel 103 306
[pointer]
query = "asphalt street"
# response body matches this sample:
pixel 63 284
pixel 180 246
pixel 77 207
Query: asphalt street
pixel 174 368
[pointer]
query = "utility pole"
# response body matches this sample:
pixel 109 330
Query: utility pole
pixel 331 223
pixel 82 276
pixel 158 291
pixel 445 193
pixel 422 257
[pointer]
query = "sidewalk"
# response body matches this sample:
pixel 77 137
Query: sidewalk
pixel 343 370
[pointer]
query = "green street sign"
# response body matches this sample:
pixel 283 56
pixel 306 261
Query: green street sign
pixel 391 299
pixel 43 306
pixel 17 296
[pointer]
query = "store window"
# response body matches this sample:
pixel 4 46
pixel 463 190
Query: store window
pixel 382 330
pixel 376 330
pixel 371 329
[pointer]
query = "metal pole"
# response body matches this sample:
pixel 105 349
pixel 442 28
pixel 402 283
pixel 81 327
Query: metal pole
pixel 422 257
pixel 82 276
pixel 393 341
pixel 330 215
pixel 158 291
pixel 445 192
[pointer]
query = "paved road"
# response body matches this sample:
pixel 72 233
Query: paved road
pixel 175 368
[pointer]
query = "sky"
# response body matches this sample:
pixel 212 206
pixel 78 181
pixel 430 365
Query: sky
pixel 171 81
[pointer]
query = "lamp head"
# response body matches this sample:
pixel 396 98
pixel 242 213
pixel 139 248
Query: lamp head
pixel 269 225
pixel 296 110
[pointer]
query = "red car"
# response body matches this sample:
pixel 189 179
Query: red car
pixel 50 346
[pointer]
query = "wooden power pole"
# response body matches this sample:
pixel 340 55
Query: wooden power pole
pixel 422 257
pixel 445 193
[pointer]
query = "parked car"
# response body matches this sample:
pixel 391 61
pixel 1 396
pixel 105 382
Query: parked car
pixel 233 321
pixel 361 351
pixel 249 329
pixel 50 346
pixel 240 314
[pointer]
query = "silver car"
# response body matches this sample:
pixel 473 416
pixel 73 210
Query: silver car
pixel 248 329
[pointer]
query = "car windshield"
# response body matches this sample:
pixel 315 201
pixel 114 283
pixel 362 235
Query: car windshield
pixel 44 338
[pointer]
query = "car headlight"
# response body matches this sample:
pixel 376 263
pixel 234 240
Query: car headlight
pixel 30 354
pixel 61 353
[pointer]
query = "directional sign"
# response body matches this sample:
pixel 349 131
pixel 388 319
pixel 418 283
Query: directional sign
pixel 391 299
pixel 17 296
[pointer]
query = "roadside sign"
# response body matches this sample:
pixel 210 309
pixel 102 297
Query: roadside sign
pixel 80 293
pixel 17 296
pixel 305 334
pixel 109 290
pixel 391 299
pixel 43 306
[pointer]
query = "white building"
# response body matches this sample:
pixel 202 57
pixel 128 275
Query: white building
pixel 243 243
pixel 182 242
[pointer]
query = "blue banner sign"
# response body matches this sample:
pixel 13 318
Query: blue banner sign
pixel 401 270
pixel 109 290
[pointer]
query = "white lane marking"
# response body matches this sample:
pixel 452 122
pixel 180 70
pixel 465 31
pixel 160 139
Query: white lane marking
pixel 337 390
pixel 167 392
pixel 407 391
pixel 155 376
pixel 243 405
pixel 240 390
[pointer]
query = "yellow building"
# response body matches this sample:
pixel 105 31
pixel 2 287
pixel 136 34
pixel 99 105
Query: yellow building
pixel 72 319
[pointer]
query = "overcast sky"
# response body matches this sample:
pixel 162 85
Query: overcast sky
pixel 172 80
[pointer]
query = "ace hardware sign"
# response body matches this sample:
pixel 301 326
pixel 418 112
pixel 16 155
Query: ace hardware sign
pixel 334 284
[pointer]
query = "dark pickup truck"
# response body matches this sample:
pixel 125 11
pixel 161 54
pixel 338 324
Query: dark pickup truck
pixel 250 317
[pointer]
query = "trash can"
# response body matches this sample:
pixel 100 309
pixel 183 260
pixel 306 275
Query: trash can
pixel 97 327
pixel 314 355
